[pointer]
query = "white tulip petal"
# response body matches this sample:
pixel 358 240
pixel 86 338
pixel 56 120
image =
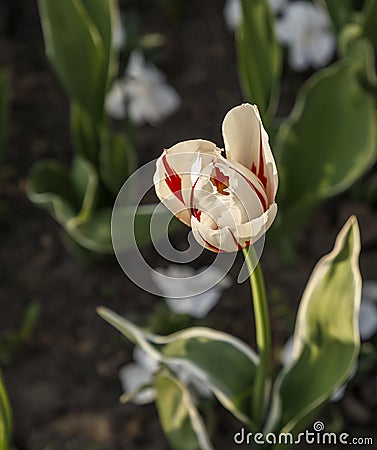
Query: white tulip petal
pixel 229 203
pixel 174 174
pixel 246 143
pixel 255 229
pixel 241 133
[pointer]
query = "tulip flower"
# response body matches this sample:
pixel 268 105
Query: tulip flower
pixel 228 202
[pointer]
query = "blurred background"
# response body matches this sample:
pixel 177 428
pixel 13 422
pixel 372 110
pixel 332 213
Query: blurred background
pixel 60 360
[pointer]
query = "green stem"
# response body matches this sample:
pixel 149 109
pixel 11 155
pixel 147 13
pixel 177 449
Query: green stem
pixel 263 336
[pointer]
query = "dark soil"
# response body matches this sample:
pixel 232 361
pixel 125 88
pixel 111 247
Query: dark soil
pixel 63 382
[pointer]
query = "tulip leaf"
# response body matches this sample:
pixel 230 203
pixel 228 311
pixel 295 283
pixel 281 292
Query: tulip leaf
pixel 5 417
pixel 71 197
pixel 4 94
pixel 180 420
pixel 73 33
pixel 327 143
pixel 369 14
pixel 326 339
pixel 85 133
pixel 220 361
pixel 339 11
pixel 117 161
pixel 359 49
pixel 259 56
pixel 93 234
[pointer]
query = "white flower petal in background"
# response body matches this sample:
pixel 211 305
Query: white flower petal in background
pixel 306 30
pixel 233 11
pixel 145 361
pixel 119 35
pixel 132 377
pixel 368 310
pixel 277 5
pixel 232 14
pixel 115 104
pixel 287 352
pixel 196 296
pixel 149 97
pixel 141 372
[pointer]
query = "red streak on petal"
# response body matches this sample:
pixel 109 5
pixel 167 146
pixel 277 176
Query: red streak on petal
pixel 173 180
pixel 261 174
pixel 220 181
pixel 239 246
pixel 261 166
pixel 259 194
pixel 247 244
pixel 194 211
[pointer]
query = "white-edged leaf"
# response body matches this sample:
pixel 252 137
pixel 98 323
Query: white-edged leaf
pixel 225 364
pixel 326 339
pixel 180 420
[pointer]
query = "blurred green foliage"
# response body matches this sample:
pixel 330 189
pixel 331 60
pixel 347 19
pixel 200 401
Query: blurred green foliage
pixel 4 99
pixel 11 341
pixel 326 348
pixel 259 57
pixel 5 417
pixel 329 140
pixel 81 198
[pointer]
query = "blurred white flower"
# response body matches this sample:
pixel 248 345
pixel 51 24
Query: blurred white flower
pixel 190 291
pixel 139 374
pixel 150 98
pixel 144 92
pixel 115 103
pixel 135 375
pixel 119 35
pixel 368 310
pixel 233 11
pixel 306 30
pixel 233 14
pixel 277 5
pixel 287 352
